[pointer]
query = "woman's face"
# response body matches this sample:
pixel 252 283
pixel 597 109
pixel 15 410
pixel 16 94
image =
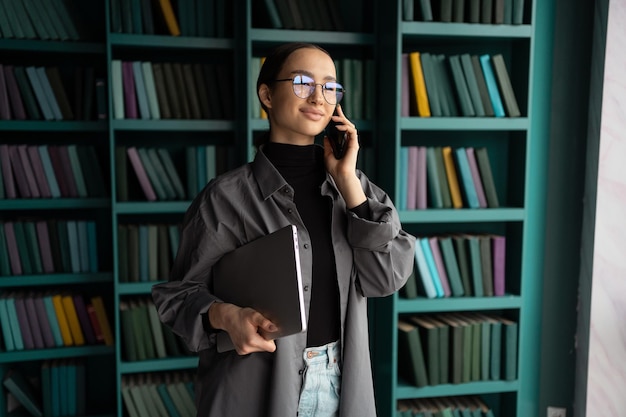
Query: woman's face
pixel 296 120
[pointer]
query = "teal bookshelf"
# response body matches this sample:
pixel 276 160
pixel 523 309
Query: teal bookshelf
pixel 517 148
pixel 373 32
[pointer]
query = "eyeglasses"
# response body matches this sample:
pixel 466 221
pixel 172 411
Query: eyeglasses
pixel 304 86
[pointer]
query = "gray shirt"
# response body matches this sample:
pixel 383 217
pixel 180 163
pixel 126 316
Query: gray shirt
pixel 373 259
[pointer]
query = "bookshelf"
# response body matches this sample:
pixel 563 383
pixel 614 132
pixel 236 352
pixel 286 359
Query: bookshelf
pixel 374 35
pixel 517 149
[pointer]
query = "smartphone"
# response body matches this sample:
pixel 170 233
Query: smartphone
pixel 336 137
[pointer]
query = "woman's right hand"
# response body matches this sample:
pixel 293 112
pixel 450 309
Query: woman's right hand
pixel 243 325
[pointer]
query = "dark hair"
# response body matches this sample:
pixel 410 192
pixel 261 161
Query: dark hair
pixel 272 66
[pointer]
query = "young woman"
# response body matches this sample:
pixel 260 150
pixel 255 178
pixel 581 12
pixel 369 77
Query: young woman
pixel 351 247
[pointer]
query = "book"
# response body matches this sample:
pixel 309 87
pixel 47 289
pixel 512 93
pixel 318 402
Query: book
pixel 432 267
pixel 412 365
pixel 425 276
pixel 51 179
pixel 280 299
pixel 140 171
pixel 439 265
pixel 486 175
pixel 48 93
pixel 130 95
pixel 420 95
pixel 472 84
pixel 486 260
pixel 469 190
pixel 462 255
pixel 140 90
pixel 429 336
pixel 44 320
pixel 451 265
pixel 504 82
pixel 83 319
pixel 33 321
pixel 5 325
pixel 18 385
pixel 460 85
pixel 499 264
pixel 476 265
pixel 509 356
pixel 452 178
pixel 53 320
pixel 478 182
pixel 492 86
pixel 430 80
pixel 56 84
pixel 482 86
pixel 170 18
pixel 78 336
pixel 151 91
pixel 117 89
pixel 64 326
pixel 36 164
pixel 435 195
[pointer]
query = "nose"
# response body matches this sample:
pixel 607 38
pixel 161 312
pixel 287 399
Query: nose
pixel 317 95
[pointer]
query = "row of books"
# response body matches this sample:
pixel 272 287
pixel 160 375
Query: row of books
pixel 37 19
pixel 458 266
pixel 31 247
pixel 146 251
pixel 206 18
pixel 507 12
pixel 159 394
pixel 446 177
pixel 171 90
pixel 59 390
pixel 143 335
pixel 456 85
pixel 456 348
pixel 458 406
pixel 311 15
pixel 50 171
pixel 39 93
pixel 38 320
pixel 158 176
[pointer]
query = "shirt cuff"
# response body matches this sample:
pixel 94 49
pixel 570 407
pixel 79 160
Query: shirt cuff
pixel 362 210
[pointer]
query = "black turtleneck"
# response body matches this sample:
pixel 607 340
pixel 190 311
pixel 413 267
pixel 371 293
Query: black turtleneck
pixel 303 168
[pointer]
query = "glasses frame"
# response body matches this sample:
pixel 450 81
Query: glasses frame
pixel 314 84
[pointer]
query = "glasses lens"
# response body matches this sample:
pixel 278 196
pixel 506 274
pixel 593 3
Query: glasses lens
pixel 333 92
pixel 303 86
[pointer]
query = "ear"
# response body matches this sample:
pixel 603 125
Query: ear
pixel 265 96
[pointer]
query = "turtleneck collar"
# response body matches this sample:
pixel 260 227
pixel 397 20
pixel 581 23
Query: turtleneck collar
pixel 296 161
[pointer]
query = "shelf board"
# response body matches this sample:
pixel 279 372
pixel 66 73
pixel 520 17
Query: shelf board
pixel 37 45
pixel 464 123
pixel 463 215
pixel 165 41
pixel 54 203
pixel 53 126
pixel 126 288
pixel 152 207
pixel 425 305
pixel 464 30
pixel 156 365
pixel 403 390
pixel 321 37
pixel 55 353
pixel 55 279
pixel 172 125
pixel 263 124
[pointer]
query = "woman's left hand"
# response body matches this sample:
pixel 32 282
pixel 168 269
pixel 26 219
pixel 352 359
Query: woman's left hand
pixel 343 170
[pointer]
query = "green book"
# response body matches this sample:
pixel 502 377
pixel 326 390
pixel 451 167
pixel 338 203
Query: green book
pixel 23 248
pixel 161 173
pixel 7 15
pixel 153 252
pixel 518 12
pixel 486 11
pixel 484 166
pixel 138 400
pixel 409 290
pixel 157 330
pixel 495 365
pixel 128 332
pixel 467 347
pixel 178 400
pixel 122 252
pixel 143 321
pixel 77 171
pixel 472 84
pixel 117 89
pixel 27 93
pixel 30 232
pixel 133 253
pixel 127 398
pixel 452 266
pixel 509 357
pixel 486 264
pixel 462 256
pixel 435 197
pixel 443 178
pixel 154 178
pixel 156 399
pixel 432 88
pixel 48 18
pixel 151 92
pixel 161 90
pixel 5 269
pixel 164 252
pixel 476 265
pixel 473 14
pixel 504 82
pixel 481 83
pixel 429 335
pixel 74 249
pixel 456 350
pixel 412 365
pixel 64 14
pixel 64 243
pixel 32 10
pixel 172 173
pixel 151 405
pixel 458 11
pixel 24 392
pixel 174 95
pixel 460 86
pixel 167 401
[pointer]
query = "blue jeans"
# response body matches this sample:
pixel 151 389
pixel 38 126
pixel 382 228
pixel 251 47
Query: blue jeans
pixel 322 381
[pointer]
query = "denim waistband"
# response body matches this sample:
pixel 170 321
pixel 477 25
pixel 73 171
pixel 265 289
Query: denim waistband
pixel 329 353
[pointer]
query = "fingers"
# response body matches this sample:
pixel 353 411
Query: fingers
pixel 247 334
pixel 345 124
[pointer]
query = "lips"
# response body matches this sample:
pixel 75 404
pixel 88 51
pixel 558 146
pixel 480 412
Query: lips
pixel 312 114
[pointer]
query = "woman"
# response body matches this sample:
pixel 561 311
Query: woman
pixel 351 247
